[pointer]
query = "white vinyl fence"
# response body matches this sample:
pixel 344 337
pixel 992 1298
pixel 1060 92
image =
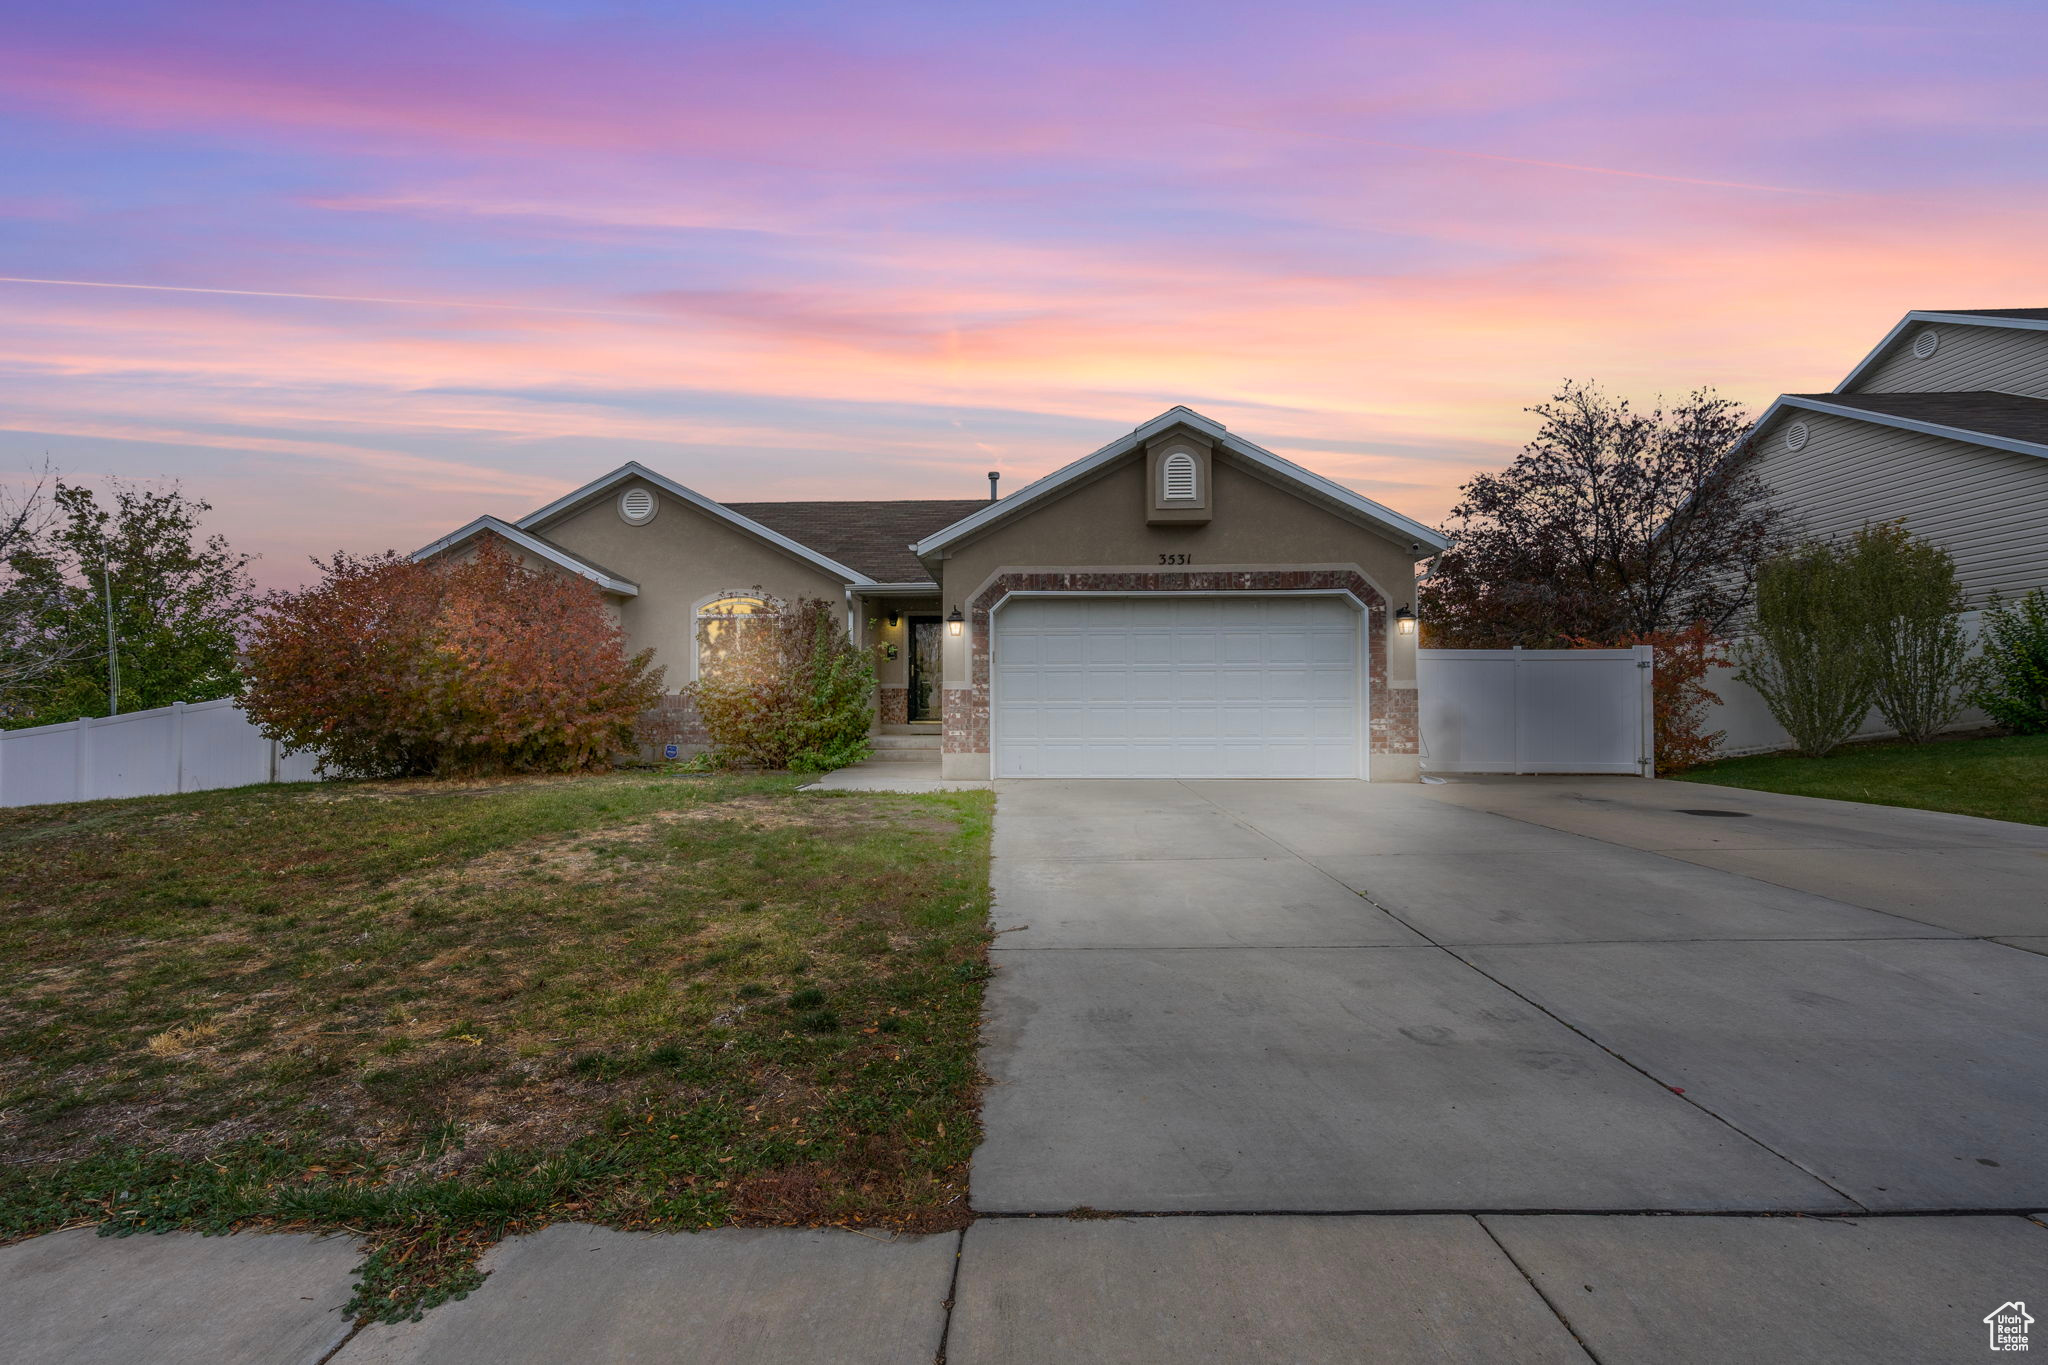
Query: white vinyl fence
pixel 1537 710
pixel 177 748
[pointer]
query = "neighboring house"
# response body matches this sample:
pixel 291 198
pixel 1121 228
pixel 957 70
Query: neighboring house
pixel 1943 425
pixel 1180 603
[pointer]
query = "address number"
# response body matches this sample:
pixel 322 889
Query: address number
pixel 1176 559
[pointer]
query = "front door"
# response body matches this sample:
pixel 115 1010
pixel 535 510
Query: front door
pixel 927 638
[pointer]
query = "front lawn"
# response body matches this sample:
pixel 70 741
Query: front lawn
pixel 2003 779
pixel 433 1014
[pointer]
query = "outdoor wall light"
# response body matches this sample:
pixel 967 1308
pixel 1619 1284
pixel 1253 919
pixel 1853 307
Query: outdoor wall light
pixel 893 618
pixel 1404 622
pixel 953 623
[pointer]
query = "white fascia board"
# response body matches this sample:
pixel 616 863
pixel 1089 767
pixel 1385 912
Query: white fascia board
pixel 926 588
pixel 1385 517
pixel 634 469
pixel 534 544
pixel 1885 419
pixel 1921 316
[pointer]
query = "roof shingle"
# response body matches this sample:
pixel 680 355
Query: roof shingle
pixel 1985 411
pixel 873 537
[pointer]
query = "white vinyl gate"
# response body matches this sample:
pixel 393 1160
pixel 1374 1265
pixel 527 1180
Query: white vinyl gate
pixel 1165 685
pixel 1537 710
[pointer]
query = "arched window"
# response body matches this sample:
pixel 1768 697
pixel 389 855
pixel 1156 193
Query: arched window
pixel 1177 477
pixel 724 623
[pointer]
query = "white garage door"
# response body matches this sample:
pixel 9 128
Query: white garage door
pixel 1176 687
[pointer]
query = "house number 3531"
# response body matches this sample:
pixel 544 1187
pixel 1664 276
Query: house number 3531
pixel 1176 559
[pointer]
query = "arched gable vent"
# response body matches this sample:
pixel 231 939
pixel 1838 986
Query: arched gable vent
pixel 1177 477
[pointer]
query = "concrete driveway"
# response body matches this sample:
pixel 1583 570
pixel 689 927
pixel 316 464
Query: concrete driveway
pixel 1510 995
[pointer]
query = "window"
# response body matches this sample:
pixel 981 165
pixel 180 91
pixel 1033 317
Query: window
pixel 1177 477
pixel 722 624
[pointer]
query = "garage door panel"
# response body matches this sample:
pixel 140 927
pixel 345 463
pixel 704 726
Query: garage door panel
pixel 1177 687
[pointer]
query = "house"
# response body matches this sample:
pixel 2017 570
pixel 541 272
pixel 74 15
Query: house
pixel 1180 603
pixel 1943 425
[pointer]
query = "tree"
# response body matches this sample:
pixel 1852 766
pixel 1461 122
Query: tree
pixel 791 692
pixel 1913 604
pixel 2011 682
pixel 1809 656
pixel 35 646
pixel 390 668
pixel 1609 523
pixel 179 603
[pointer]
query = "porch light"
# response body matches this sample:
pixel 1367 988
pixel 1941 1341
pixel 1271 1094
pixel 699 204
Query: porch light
pixel 893 618
pixel 1404 622
pixel 954 623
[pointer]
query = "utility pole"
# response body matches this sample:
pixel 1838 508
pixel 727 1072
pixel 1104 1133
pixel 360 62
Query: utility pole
pixel 113 653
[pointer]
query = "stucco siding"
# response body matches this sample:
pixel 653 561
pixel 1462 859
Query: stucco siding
pixel 1988 508
pixel 680 558
pixel 2009 359
pixel 1101 525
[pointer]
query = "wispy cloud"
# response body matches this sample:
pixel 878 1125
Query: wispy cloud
pixel 330 298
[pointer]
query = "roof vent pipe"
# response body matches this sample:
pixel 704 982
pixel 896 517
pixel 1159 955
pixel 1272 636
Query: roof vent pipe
pixel 993 475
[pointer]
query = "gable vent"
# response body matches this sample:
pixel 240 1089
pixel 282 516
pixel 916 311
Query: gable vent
pixel 1924 344
pixel 1177 477
pixel 1796 436
pixel 636 505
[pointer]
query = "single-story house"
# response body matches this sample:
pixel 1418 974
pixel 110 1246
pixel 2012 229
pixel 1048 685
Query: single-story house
pixel 1944 425
pixel 1180 603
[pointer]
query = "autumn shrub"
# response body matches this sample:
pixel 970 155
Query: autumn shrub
pixel 791 690
pixel 1679 694
pixel 2011 682
pixel 389 668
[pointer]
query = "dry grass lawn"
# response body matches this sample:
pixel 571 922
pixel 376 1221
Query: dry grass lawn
pixel 436 1013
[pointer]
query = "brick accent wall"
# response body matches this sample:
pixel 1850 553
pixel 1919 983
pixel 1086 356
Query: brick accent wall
pixel 672 720
pixel 1391 728
pixel 965 714
pixel 894 705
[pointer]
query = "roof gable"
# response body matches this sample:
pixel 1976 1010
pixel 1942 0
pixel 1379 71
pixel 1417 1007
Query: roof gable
pixel 570 502
pixel 2003 421
pixel 1274 467
pixel 2027 319
pixel 533 544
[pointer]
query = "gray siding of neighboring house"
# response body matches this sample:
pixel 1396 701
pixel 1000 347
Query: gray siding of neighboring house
pixel 1988 508
pixel 2009 359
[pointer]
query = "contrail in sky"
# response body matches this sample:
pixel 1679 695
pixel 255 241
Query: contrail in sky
pixel 332 298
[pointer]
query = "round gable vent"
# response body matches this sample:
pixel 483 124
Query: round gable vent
pixel 1796 436
pixel 1924 344
pixel 636 505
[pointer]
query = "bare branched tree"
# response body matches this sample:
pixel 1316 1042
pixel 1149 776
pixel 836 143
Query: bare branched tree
pixel 1611 522
pixel 36 643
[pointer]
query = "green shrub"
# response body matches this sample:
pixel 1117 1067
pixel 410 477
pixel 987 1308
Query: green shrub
pixel 2011 677
pixel 1914 608
pixel 791 690
pixel 1810 657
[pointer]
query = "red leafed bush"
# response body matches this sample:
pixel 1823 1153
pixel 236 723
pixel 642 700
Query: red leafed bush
pixel 387 668
pixel 1678 690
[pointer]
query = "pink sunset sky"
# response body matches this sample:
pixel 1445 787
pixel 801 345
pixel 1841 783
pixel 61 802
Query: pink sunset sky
pixel 406 264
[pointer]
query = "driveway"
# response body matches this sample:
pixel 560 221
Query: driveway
pixel 1589 995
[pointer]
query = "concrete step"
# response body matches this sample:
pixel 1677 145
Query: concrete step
pixel 915 727
pixel 930 756
pixel 921 743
